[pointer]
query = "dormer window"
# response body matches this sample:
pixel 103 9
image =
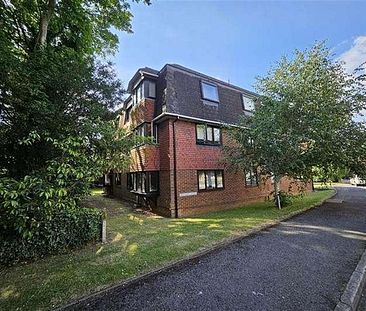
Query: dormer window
pixel 145 89
pixel 209 91
pixel 138 93
pixel 151 91
pixel 248 104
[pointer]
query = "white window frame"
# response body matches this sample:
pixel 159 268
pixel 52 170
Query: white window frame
pixel 211 129
pixel 253 178
pixel 206 173
pixel 248 103
pixel 216 99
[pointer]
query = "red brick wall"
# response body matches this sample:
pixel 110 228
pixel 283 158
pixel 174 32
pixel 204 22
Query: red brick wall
pixel 145 158
pixel 190 158
pixel 153 158
pixel 165 202
pixel 142 112
pixel 193 156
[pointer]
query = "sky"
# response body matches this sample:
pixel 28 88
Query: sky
pixel 237 41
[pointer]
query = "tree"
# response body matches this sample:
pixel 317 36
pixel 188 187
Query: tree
pixel 82 25
pixel 51 81
pixel 304 119
pixel 57 120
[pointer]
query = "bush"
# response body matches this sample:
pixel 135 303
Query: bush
pixel 285 198
pixel 40 213
pixel 67 229
pixel 40 217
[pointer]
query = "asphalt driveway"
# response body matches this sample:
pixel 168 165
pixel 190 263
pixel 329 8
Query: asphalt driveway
pixel 301 264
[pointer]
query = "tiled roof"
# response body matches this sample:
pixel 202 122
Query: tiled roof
pixel 206 77
pixel 179 92
pixel 183 96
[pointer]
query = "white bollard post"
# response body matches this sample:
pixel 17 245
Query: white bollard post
pixel 104 231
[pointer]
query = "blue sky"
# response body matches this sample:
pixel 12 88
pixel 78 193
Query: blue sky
pixel 238 40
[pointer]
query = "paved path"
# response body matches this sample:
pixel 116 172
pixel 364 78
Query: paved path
pixel 301 264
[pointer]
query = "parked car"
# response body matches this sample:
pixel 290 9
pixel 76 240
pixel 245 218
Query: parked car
pixel 357 181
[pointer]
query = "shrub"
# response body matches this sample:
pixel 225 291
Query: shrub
pixel 66 229
pixel 38 217
pixel 40 213
pixel 285 198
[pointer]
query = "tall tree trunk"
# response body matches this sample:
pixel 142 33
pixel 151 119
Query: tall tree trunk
pixel 44 22
pixel 277 191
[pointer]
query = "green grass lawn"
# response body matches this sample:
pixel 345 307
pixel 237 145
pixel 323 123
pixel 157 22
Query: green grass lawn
pixel 97 191
pixel 323 186
pixel 137 243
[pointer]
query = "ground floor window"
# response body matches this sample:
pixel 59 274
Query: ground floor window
pixel 251 178
pixel 210 179
pixel 143 182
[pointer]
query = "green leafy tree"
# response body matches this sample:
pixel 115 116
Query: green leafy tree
pixel 82 25
pixel 58 133
pixel 304 118
pixel 51 81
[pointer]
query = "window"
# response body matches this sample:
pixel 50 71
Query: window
pixel 219 179
pixel 144 130
pixel 248 104
pixel 210 180
pixel 140 183
pixel 118 178
pixel 152 89
pixel 141 130
pixel 143 182
pixel 209 91
pixel 127 114
pixel 153 182
pixel 138 93
pixel 207 134
pixel 201 132
pixel 216 135
pixel 155 133
pixel 251 178
pixel 131 181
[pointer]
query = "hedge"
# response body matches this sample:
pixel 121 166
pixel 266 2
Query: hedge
pixel 66 229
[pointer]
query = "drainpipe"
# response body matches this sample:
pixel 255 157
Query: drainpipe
pixel 175 171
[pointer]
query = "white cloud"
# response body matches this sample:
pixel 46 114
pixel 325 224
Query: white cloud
pixel 356 55
pixel 352 59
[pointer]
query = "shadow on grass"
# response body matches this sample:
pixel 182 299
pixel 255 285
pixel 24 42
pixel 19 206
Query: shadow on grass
pixel 136 243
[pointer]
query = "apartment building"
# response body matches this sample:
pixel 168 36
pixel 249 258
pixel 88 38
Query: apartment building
pixel 183 173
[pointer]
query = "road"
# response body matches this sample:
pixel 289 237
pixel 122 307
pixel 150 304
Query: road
pixel 300 264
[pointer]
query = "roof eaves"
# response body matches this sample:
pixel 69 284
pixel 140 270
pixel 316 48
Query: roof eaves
pixel 141 72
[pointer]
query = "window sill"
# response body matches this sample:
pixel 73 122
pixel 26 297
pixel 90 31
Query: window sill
pixel 146 145
pixel 209 190
pixel 211 103
pixel 248 112
pixel 147 194
pixel 208 144
pixel 210 100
